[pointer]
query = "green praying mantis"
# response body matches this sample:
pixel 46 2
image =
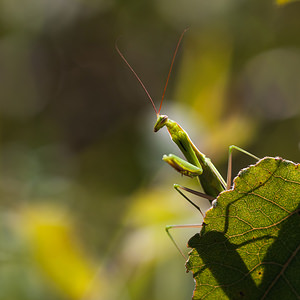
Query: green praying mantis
pixel 196 164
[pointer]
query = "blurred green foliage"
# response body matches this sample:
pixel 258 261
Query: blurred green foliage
pixel 84 194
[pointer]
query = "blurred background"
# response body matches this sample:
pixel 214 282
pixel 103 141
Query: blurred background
pixel 84 194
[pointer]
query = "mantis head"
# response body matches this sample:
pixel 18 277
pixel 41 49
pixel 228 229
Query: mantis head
pixel 161 122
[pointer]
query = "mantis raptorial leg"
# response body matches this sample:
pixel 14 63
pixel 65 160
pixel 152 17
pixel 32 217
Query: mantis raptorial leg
pixel 200 194
pixel 197 164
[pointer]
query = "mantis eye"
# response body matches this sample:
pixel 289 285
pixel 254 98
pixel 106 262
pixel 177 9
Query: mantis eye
pixel 161 122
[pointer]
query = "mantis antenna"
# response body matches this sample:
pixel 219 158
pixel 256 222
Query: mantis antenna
pixel 137 77
pixel 168 77
pixel 173 59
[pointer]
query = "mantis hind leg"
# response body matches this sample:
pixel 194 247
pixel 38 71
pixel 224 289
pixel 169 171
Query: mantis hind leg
pixel 180 226
pixel 229 170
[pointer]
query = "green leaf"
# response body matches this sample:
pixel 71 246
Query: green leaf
pixel 249 245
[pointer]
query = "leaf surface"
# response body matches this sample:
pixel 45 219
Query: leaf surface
pixel 248 247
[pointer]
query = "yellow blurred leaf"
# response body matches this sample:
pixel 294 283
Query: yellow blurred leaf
pixel 282 2
pixel 203 76
pixel 57 251
pixel 203 84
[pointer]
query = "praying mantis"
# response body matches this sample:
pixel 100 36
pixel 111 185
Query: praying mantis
pixel 196 164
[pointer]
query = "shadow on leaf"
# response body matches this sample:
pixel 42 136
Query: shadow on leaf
pixel 222 259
